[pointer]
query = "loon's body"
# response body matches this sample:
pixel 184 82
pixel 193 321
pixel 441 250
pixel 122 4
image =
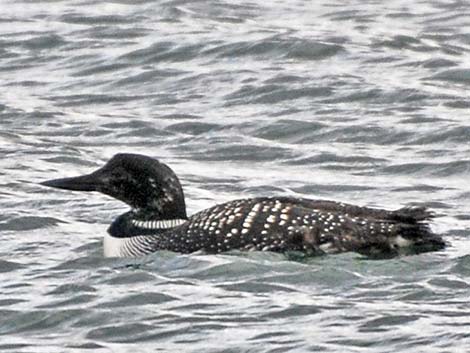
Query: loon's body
pixel 158 220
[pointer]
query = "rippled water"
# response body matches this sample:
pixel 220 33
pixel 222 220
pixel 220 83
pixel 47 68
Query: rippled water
pixel 360 101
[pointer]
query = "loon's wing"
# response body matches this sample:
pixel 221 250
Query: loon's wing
pixel 405 214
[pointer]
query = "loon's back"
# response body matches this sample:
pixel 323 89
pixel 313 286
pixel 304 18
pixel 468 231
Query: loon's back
pixel 285 224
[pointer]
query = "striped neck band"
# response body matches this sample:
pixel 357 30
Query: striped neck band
pixel 160 224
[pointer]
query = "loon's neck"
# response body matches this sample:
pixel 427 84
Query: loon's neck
pixel 141 222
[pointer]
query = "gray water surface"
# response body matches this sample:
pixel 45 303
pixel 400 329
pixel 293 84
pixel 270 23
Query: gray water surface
pixel 360 101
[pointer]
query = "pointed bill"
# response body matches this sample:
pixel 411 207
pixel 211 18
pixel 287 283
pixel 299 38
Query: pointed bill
pixel 89 182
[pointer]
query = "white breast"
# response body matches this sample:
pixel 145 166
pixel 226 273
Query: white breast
pixel 137 245
pixel 112 246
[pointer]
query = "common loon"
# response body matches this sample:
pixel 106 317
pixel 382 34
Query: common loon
pixel 158 221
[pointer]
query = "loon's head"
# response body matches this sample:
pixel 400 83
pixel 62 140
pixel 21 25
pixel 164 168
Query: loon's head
pixel 140 181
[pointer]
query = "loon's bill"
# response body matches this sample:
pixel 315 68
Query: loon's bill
pixel 158 221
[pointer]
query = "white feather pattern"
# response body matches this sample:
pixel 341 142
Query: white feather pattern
pixel 112 246
pixel 162 224
pixel 127 247
pixel 136 245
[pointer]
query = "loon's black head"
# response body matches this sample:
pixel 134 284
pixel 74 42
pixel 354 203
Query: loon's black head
pixel 140 181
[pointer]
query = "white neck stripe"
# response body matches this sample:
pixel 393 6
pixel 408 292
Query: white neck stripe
pixel 161 224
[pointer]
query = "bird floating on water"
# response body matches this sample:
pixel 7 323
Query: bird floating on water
pixel 158 220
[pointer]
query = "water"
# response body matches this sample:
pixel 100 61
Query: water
pixel 360 101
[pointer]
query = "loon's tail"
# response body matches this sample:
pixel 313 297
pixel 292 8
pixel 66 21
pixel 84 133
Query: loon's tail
pixel 411 215
pixel 410 234
pixel 421 237
pixel 413 225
